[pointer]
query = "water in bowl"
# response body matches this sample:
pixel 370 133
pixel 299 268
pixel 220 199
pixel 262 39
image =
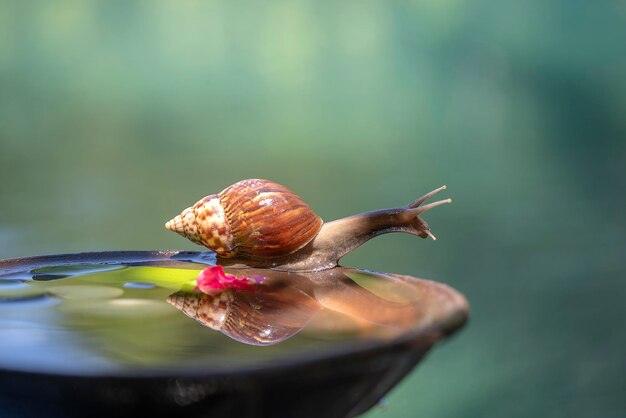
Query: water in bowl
pixel 148 318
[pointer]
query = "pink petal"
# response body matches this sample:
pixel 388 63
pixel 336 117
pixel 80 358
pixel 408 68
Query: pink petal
pixel 213 280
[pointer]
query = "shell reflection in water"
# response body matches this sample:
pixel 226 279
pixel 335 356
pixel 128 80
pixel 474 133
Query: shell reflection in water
pixel 270 313
pixel 341 300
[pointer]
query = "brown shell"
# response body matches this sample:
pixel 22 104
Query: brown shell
pixel 254 218
pixel 267 219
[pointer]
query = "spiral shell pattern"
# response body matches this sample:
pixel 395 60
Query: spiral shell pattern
pixel 252 218
pixel 205 223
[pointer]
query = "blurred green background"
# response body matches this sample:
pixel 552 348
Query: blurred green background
pixel 116 115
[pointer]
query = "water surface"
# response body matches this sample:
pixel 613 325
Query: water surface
pixel 97 319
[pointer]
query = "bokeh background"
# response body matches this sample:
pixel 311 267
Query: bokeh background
pixel 116 115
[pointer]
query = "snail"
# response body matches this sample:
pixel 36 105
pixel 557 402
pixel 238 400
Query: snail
pixel 263 224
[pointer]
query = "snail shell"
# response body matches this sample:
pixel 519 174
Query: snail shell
pixel 252 219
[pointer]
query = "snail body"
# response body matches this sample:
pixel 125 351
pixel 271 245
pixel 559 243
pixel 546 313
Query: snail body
pixel 267 225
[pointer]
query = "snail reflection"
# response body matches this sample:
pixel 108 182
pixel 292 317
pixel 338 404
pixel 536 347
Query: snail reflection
pixel 264 307
pixel 250 308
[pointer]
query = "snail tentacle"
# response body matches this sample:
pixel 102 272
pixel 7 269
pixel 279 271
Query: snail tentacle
pixel 422 199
